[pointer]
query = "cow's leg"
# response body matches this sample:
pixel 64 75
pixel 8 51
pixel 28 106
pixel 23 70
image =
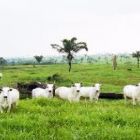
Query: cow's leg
pixel 9 108
pixel 1 110
pixel 125 98
pixel 134 101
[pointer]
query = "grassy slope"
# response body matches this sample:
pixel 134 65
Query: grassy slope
pixel 58 119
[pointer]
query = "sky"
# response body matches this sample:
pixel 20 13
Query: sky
pixel 28 27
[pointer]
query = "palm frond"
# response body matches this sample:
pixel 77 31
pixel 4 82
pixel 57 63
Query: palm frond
pixel 67 45
pixel 79 46
pixel 73 40
pixel 65 42
pixel 136 54
pixel 58 48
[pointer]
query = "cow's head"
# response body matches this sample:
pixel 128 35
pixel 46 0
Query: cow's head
pixel 5 92
pixel 50 88
pixel 98 87
pixel 77 86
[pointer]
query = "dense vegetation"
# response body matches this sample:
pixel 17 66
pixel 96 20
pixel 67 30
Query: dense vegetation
pixel 61 59
pixel 59 119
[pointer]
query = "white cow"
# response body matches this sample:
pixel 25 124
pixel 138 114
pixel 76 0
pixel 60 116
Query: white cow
pixel 1 75
pixel 91 92
pixel 69 93
pixel 133 92
pixel 40 92
pixel 8 98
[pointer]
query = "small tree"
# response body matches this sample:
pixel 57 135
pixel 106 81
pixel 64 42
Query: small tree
pixel 2 62
pixel 38 58
pixel 70 47
pixel 114 61
pixel 137 55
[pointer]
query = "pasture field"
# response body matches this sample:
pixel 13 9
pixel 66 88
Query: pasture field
pixel 43 119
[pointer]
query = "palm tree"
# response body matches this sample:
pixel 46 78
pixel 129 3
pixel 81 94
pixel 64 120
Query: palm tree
pixel 70 47
pixel 137 55
pixel 38 58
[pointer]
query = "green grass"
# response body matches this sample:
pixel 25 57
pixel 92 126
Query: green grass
pixel 112 81
pixel 43 119
pixel 58 119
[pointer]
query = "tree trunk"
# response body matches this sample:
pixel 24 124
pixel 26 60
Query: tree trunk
pixel 69 66
pixel 114 62
pixel 138 61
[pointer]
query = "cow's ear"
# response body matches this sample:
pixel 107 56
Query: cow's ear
pixel 81 84
pixel 0 90
pixel 10 89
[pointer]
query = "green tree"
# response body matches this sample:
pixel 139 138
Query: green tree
pixel 38 58
pixel 70 47
pixel 2 61
pixel 137 55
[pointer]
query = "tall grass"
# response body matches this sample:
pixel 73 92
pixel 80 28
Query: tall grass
pixel 58 119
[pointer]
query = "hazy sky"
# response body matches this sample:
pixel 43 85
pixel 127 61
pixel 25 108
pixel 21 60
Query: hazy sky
pixel 28 27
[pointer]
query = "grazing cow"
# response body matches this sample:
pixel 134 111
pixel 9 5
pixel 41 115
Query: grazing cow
pixel 8 98
pixel 133 92
pixel 69 93
pixel 40 92
pixel 91 92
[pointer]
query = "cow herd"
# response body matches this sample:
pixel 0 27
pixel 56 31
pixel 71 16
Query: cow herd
pixel 72 93
pixel 77 90
pixel 10 96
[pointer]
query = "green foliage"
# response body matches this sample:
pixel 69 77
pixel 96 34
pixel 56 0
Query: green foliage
pixel 55 77
pixel 38 58
pixel 137 55
pixel 94 59
pixel 2 61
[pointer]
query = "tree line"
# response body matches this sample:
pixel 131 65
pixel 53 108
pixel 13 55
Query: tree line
pixel 69 48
